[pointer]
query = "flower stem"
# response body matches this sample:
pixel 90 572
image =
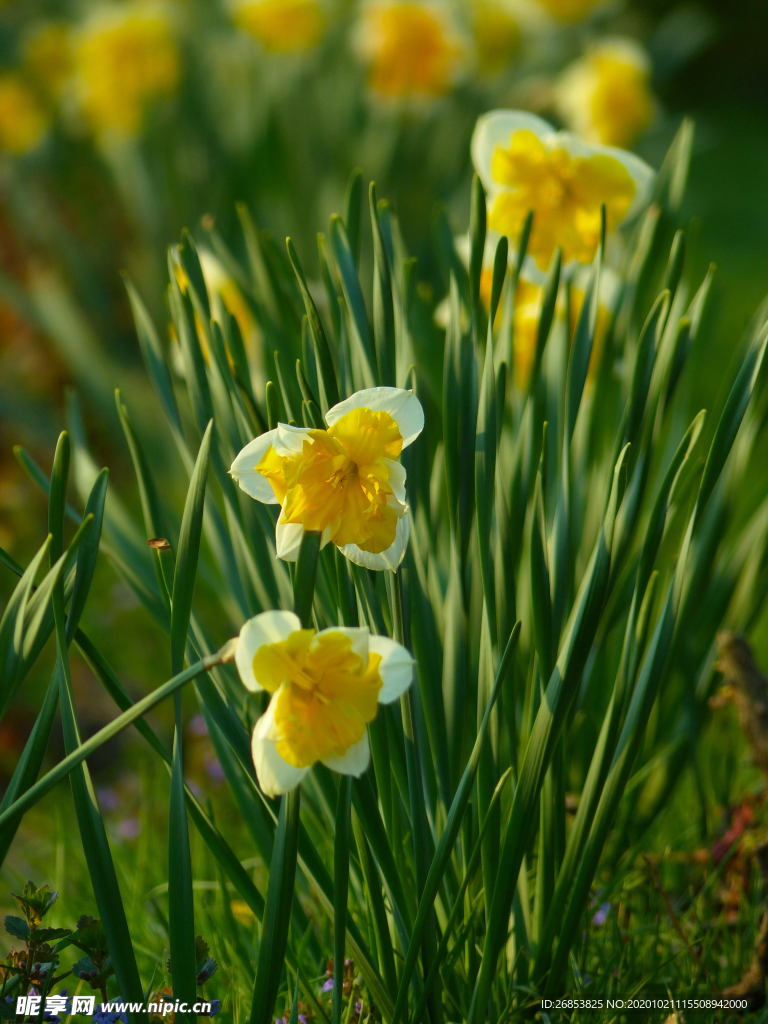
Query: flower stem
pixel 340 891
pixel 304 579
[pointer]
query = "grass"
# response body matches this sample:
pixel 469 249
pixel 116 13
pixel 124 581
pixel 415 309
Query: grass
pixel 621 555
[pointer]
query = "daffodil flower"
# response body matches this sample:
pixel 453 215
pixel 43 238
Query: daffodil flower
pixel 414 49
pixel 524 164
pixel 23 122
pixel 125 56
pixel 606 95
pixel 282 26
pixel 326 687
pixel 343 482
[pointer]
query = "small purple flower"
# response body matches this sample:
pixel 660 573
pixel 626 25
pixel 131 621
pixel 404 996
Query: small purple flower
pixel 601 916
pixel 359 1007
pixel 129 828
pixel 213 769
pixel 215 1007
pixel 302 1019
pixel 108 798
pixel 328 985
pixel 197 726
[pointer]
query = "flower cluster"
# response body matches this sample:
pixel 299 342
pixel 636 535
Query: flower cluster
pixel 105 72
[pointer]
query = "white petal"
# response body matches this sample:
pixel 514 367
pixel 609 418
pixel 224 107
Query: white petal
pixel 288 540
pixel 289 440
pixel 266 628
pixel 357 634
pixel 403 406
pixel 275 775
pixel 396 479
pixel 642 175
pixel 496 129
pixel 243 469
pixel 389 559
pixel 354 762
pixel 396 667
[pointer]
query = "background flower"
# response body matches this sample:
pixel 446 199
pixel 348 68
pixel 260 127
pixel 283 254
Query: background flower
pixel 413 48
pixel 605 96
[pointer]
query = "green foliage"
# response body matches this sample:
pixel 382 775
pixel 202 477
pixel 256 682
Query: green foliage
pixel 579 501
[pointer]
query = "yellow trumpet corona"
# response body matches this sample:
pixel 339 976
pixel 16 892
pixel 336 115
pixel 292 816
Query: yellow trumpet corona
pixel 343 482
pixel 326 687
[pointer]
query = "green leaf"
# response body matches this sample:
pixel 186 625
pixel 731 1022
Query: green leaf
pixel 12 622
pixel 94 838
pixel 353 297
pixel 581 349
pixel 477 225
pixel 329 391
pixel 546 317
pixel 306 573
pixel 574 650
pixel 375 897
pixel 500 260
pixel 181 914
pixel 17 927
pixel 76 756
pixel 353 220
pixel 340 890
pixel 277 914
pixel 450 832
pixel 153 355
pixel 188 552
pixel 28 765
pixel 88 553
pixel 383 303
pixel 51 934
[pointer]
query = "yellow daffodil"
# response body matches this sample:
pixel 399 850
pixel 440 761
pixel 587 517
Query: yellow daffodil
pixel 344 481
pixel 48 56
pixel 326 687
pixel 282 26
pixel 125 56
pixel 606 95
pixel 524 164
pixel 497 35
pixel 570 10
pixel 23 122
pixel 413 48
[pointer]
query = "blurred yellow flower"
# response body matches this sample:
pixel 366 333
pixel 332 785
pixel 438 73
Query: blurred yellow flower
pixel 282 26
pixel 414 49
pixel 125 56
pixel 497 36
pixel 529 298
pixel 524 164
pixel 570 10
pixel 606 95
pixel 23 122
pixel 48 55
